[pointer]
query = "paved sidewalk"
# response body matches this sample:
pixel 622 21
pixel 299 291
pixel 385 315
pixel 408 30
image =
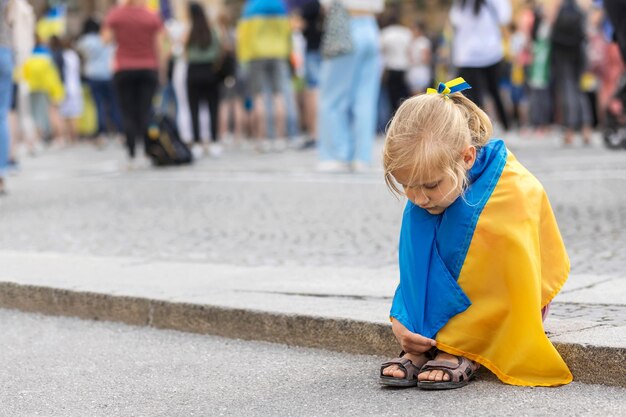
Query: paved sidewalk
pixel 262 247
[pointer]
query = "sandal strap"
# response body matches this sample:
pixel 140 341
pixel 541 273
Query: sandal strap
pixel 460 371
pixel 440 365
pixel 405 364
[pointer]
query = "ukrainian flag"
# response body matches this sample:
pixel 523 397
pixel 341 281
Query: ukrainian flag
pixel 53 23
pixel 476 277
pixel 263 31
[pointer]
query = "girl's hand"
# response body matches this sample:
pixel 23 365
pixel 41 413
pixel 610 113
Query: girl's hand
pixel 411 342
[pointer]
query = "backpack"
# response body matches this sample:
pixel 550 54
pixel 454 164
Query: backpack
pixel 568 29
pixel 164 146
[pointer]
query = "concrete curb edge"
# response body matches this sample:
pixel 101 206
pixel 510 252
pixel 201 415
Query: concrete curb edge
pixel 589 363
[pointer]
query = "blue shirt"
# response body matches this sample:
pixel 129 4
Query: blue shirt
pixel 98 57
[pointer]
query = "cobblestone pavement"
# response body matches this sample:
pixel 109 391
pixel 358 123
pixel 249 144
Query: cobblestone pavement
pixel 273 209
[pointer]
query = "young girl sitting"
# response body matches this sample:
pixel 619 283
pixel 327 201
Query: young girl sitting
pixel 480 251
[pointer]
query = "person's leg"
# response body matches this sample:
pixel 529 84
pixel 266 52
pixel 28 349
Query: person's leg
pixel 258 82
pixel 473 78
pixel 26 120
pixel 15 132
pixel 148 84
pixel 98 93
pixel 213 99
pixel 336 78
pixel 282 92
pixel 126 86
pixel 226 110
pixel 37 111
pixel 194 93
pixel 364 92
pixel 313 63
pixel 569 92
pixel 397 88
pixel 491 76
pixel 111 106
pixel 6 92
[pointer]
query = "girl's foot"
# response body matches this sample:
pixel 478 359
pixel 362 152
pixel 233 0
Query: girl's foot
pixel 438 375
pixel 398 371
pixel 447 372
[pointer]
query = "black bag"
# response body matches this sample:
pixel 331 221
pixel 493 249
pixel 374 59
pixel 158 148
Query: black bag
pixel 164 146
pixel 568 29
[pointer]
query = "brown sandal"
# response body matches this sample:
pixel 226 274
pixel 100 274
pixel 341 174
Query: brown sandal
pixel 460 374
pixel 410 372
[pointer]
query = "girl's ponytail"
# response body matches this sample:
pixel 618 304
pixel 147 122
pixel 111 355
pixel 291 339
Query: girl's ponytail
pixel 480 126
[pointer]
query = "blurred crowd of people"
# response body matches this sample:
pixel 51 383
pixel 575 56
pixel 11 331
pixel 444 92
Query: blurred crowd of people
pixel 300 74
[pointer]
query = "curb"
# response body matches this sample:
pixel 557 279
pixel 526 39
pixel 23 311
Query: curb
pixel 589 363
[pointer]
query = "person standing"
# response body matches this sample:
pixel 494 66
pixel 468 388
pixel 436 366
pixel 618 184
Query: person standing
pixel 98 72
pixel 203 84
pixel 419 76
pixel 6 88
pixel 395 41
pixel 263 46
pixel 46 92
pixel 477 49
pixel 349 88
pixel 568 63
pixel 71 107
pixel 313 19
pixel 138 33
pixel 23 130
pixel 233 89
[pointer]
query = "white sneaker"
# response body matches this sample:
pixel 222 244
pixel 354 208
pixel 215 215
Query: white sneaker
pixel 332 167
pixel 196 151
pixel 215 150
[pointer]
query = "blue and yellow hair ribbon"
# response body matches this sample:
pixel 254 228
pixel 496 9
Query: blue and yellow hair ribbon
pixel 452 86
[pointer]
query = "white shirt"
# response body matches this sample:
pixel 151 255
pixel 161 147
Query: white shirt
pixel 420 47
pixel 477 38
pixel 373 6
pixel 395 42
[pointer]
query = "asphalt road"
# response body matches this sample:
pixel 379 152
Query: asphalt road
pixel 67 367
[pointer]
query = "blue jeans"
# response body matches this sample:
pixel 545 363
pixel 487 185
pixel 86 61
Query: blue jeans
pixel 312 64
pixel 6 94
pixel 105 99
pixel 349 88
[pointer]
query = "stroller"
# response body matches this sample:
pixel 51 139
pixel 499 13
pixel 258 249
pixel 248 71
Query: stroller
pixel 615 120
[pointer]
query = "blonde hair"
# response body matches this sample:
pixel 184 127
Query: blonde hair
pixel 427 135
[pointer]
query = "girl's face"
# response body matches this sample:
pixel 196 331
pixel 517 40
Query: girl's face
pixel 438 192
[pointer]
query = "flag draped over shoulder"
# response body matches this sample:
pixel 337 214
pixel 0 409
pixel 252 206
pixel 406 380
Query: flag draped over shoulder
pixel 477 276
pixel 263 31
